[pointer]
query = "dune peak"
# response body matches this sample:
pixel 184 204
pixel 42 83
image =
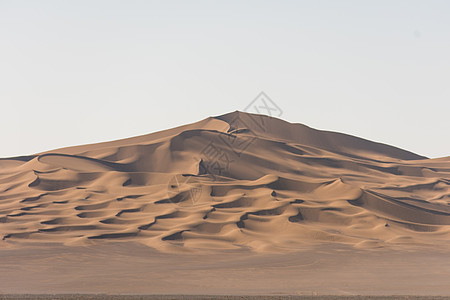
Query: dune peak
pixel 235 181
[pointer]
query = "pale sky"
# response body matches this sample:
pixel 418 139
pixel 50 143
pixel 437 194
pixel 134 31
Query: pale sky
pixel 78 72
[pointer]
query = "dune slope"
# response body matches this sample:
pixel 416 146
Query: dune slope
pixel 229 182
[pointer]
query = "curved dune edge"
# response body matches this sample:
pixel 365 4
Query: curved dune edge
pixel 280 187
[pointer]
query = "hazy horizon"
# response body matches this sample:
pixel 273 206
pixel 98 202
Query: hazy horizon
pixel 84 72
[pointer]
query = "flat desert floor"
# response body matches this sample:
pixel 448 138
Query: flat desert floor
pixel 209 297
pixel 121 268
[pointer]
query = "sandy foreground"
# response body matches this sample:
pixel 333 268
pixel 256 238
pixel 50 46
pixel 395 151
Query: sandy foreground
pixel 127 268
pixel 238 204
pixel 203 297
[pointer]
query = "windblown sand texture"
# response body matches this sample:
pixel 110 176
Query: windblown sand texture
pixel 229 182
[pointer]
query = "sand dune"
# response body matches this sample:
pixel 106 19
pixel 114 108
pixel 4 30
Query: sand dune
pixel 228 182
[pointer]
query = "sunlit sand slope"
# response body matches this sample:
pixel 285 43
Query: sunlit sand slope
pixel 228 182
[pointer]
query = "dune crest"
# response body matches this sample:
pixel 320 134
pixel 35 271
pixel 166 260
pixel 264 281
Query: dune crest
pixel 234 181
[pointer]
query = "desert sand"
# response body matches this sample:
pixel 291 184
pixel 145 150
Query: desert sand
pixel 234 204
